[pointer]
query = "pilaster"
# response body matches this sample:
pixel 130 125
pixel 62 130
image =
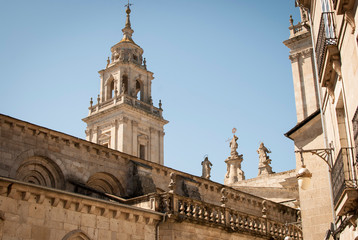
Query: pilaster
pixel 134 138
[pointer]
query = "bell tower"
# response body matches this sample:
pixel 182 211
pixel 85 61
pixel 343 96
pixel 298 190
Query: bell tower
pixel 124 117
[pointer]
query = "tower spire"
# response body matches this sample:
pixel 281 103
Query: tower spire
pixel 127 30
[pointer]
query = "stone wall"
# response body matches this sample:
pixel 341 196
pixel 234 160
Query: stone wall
pixel 54 160
pixel 278 187
pixel 33 212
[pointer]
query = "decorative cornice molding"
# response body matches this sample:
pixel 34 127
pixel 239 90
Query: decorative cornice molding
pixel 74 202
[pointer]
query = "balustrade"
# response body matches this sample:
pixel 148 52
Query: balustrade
pixel 125 99
pixel 224 217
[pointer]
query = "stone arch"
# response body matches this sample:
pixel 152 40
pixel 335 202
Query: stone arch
pixel 105 182
pixel 139 89
pixel 40 170
pixel 76 235
pixel 110 87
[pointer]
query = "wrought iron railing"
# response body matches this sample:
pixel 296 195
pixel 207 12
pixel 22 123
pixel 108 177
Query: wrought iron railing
pixel 343 173
pixel 326 37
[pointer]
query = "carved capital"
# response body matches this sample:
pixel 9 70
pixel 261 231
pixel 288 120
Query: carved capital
pixel 307 52
pixel 294 57
pixel 123 120
pixel 134 123
pixel 152 130
pixel 88 132
pixel 114 123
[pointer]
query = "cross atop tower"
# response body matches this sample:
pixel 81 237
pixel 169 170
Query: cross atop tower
pixel 128 5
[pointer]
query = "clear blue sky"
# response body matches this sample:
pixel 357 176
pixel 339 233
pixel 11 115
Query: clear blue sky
pixel 217 65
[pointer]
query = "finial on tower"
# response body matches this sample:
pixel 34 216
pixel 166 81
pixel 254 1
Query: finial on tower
pixel 127 30
pixel 128 11
pixel 291 20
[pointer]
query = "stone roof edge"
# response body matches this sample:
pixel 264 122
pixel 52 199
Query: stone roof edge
pixel 11 187
pixel 301 124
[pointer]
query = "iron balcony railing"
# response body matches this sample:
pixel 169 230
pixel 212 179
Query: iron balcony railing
pixel 326 37
pixel 343 173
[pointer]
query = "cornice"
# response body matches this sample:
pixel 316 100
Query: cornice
pixel 99 114
pixel 75 202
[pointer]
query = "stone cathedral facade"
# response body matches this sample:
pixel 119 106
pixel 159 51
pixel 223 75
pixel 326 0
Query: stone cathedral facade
pixel 114 185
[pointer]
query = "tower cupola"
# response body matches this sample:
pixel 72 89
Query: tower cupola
pixel 127 50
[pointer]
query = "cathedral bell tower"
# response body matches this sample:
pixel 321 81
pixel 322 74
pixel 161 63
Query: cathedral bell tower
pixel 124 117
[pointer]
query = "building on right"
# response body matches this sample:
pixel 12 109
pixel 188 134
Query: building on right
pixel 324 57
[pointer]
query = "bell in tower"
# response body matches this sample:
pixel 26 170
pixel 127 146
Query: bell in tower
pixel 124 117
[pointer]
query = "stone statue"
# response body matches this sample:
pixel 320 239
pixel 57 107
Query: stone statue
pixel 108 61
pixel 234 172
pixel 233 146
pixel 206 168
pixel 122 88
pixel 264 160
pixel 172 183
pixel 115 56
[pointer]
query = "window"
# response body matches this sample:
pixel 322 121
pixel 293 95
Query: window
pixel 112 89
pixel 141 151
pixel 138 88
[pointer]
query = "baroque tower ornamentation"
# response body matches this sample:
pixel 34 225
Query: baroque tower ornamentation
pixel 124 117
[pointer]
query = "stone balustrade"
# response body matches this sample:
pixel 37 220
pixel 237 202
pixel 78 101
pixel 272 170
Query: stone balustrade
pixel 186 209
pixel 128 100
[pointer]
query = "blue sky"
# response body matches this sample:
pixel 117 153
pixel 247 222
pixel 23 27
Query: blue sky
pixel 217 65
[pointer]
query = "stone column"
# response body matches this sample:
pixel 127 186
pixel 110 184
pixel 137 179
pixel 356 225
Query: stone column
pixel 233 163
pixel 123 132
pixel 161 148
pixel 234 172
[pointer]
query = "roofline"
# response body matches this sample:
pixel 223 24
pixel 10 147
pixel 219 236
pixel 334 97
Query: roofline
pixel 302 123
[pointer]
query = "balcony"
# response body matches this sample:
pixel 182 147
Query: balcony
pixel 328 60
pixel 341 6
pixel 344 182
pixel 304 3
pixel 125 99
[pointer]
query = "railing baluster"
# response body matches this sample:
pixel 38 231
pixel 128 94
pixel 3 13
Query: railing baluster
pixel 188 209
pixel 182 208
